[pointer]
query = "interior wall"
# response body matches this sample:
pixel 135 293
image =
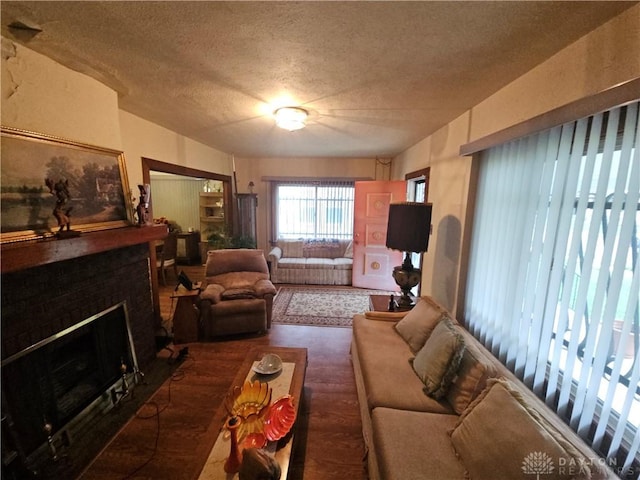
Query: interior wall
pixel 42 96
pixel 141 138
pixel 604 58
pixel 177 199
pixel 258 170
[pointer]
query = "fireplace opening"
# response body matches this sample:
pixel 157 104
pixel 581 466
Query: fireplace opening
pixel 53 382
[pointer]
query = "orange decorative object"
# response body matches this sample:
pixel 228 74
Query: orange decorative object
pixel 251 399
pixel 233 461
pixel 253 440
pixel 280 418
pixel 249 403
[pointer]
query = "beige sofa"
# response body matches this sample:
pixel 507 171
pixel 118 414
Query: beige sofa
pixel 437 405
pixel 313 262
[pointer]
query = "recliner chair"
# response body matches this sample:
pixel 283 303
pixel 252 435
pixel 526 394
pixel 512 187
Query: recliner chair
pixel 237 295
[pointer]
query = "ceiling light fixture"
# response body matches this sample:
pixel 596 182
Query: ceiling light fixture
pixel 291 118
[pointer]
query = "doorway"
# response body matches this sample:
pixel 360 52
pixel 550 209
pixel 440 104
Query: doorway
pixel 210 182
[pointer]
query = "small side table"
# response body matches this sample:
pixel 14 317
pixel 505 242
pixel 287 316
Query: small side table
pixel 186 316
pixel 188 248
pixel 380 303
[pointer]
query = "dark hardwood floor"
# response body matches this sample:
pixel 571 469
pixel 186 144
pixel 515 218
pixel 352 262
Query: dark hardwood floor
pixel 328 444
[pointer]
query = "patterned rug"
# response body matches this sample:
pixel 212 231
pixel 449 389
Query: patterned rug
pixel 318 306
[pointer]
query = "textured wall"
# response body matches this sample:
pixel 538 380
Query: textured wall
pixel 599 60
pixel 41 95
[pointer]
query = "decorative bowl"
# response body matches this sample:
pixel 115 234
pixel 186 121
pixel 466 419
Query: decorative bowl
pixel 269 364
pixel 279 418
pixel 253 440
pixel 251 399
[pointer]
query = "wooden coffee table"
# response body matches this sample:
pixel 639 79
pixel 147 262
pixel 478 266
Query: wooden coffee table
pixel 289 381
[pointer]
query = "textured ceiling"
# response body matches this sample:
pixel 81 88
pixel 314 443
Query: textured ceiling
pixel 376 77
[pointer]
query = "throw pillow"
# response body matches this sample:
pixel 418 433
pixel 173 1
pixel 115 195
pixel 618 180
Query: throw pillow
pixel 291 248
pixel 501 436
pixel 418 324
pixel 474 372
pixel 437 362
pixel 348 253
pixel 322 248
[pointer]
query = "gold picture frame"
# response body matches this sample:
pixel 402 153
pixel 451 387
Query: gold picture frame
pixel 99 196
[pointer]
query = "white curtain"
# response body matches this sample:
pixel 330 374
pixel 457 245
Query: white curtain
pixel 554 278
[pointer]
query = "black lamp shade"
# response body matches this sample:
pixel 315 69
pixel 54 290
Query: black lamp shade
pixel 409 226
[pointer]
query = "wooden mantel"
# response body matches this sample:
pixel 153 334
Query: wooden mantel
pixel 34 253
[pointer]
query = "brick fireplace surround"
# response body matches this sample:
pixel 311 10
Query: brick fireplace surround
pixel 48 286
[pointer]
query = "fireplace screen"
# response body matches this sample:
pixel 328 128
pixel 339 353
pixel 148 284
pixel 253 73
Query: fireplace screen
pixel 57 378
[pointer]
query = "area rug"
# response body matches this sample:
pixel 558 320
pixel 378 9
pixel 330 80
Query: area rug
pixel 318 306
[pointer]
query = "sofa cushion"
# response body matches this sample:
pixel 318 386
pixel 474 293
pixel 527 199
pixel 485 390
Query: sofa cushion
pixel 342 263
pixel 322 263
pixel 418 324
pixel 291 248
pixel 388 377
pixel 235 280
pixel 474 372
pixel 294 263
pixel 220 262
pixel 414 445
pixel 389 316
pixel 237 293
pixel 437 362
pixel 348 252
pixel 501 436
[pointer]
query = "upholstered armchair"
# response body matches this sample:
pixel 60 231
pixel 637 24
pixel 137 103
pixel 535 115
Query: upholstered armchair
pixel 237 295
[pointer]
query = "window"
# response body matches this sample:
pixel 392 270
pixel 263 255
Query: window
pixel 314 209
pixel 418 185
pixel 554 278
pixel 417 190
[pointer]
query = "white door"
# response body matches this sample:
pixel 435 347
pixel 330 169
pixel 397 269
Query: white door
pixel 373 262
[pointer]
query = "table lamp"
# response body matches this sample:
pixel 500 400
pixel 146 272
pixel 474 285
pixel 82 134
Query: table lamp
pixel 408 230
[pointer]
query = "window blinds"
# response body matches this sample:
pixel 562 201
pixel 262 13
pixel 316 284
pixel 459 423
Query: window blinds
pixel 320 210
pixel 554 278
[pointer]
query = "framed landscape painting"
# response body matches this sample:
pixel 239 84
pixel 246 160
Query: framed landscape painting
pixel 97 195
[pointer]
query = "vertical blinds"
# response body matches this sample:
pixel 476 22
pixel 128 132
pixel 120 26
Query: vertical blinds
pixel 315 209
pixel 554 278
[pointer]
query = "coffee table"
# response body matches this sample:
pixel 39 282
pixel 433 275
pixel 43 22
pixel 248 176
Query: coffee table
pixel 289 381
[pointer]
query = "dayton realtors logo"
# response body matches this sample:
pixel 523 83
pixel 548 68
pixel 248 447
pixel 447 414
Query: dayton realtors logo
pixel 537 463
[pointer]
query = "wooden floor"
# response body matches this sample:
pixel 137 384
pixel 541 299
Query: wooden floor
pixel 329 442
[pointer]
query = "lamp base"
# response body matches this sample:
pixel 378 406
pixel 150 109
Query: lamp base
pixel 406 278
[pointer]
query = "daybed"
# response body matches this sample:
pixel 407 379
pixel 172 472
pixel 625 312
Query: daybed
pixel 437 405
pixel 314 262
